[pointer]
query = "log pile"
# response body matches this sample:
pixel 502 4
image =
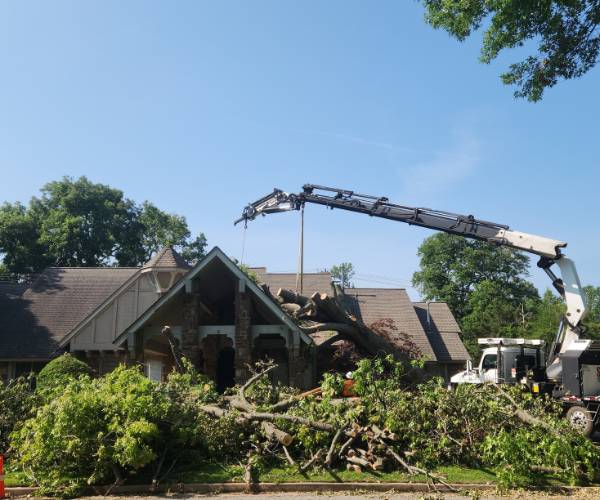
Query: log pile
pixel 323 312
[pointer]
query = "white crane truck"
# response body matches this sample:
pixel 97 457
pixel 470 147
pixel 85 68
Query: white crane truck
pixel 571 370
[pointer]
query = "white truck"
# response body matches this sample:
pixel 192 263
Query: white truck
pixel 505 361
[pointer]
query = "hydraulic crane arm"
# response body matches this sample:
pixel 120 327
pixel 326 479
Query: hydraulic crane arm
pixel 463 225
pixel 548 249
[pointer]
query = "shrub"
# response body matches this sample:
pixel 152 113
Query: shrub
pixel 17 403
pixel 58 373
pixel 95 429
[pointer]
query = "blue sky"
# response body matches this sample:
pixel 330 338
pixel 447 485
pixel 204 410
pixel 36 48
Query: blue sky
pixel 202 107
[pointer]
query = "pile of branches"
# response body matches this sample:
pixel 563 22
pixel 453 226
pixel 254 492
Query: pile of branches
pixel 359 448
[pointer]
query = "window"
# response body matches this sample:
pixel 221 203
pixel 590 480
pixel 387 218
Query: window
pixel 154 369
pixel 489 362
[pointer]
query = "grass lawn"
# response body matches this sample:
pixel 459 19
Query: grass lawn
pixel 215 473
pixel 14 479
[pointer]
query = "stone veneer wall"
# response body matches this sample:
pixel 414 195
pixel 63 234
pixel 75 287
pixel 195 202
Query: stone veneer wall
pixel 242 345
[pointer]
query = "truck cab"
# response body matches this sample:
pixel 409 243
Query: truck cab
pixel 504 361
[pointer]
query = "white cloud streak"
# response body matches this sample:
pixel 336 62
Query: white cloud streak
pixel 363 141
pixel 444 170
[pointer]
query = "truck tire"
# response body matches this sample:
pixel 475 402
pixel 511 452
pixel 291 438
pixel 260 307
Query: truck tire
pixel 581 419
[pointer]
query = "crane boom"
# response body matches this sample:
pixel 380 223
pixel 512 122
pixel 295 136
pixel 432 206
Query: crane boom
pixel 548 249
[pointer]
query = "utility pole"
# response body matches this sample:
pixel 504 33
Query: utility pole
pixel 300 273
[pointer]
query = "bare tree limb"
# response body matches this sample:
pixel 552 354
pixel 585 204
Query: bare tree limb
pixel 251 381
pixel 336 438
pixel 288 456
pixel 312 461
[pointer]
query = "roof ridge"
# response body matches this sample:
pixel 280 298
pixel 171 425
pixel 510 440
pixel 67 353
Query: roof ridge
pixel 91 267
pixel 374 288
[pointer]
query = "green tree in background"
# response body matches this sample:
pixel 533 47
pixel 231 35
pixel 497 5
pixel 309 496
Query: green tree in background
pixel 592 322
pixel 344 273
pixel 563 34
pixel 76 222
pixel 546 317
pixel 453 266
pixel 484 285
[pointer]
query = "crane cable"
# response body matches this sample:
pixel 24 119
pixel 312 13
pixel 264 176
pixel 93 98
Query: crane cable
pixel 243 242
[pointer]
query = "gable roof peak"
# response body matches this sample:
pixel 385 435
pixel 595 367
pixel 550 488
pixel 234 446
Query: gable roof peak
pixel 167 257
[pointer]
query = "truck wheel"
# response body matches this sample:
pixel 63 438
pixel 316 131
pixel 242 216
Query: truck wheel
pixel 580 419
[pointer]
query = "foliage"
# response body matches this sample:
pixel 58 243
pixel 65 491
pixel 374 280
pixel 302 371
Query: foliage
pixel 123 424
pixel 565 34
pixel 592 322
pixel 545 318
pixel 344 273
pixel 498 310
pixel 522 452
pixel 18 402
pixel 59 373
pixel 95 427
pixel 161 229
pixel 252 275
pixel 76 222
pixel 453 266
pixel 188 427
pixel 472 426
pixel 120 424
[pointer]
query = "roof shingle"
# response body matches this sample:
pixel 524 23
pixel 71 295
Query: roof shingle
pixel 442 330
pixel 34 321
pixel 375 304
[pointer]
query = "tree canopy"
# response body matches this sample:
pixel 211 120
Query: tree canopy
pixel 565 35
pixel 344 273
pixel 76 222
pixel 484 285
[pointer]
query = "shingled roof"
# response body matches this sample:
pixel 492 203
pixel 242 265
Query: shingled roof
pixel 442 330
pixel 167 257
pixel 37 317
pixel 374 304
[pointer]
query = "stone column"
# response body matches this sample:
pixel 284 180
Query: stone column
pixel 243 340
pixel 190 347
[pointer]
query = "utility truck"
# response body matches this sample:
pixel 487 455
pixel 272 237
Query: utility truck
pixel 571 372
pixel 505 361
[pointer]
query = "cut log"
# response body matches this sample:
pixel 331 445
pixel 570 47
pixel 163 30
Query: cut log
pixel 354 468
pixel 289 296
pixel 276 434
pixel 358 461
pixel 377 464
pixel 291 309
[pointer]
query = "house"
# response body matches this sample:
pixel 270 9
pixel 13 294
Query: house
pixel 221 320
